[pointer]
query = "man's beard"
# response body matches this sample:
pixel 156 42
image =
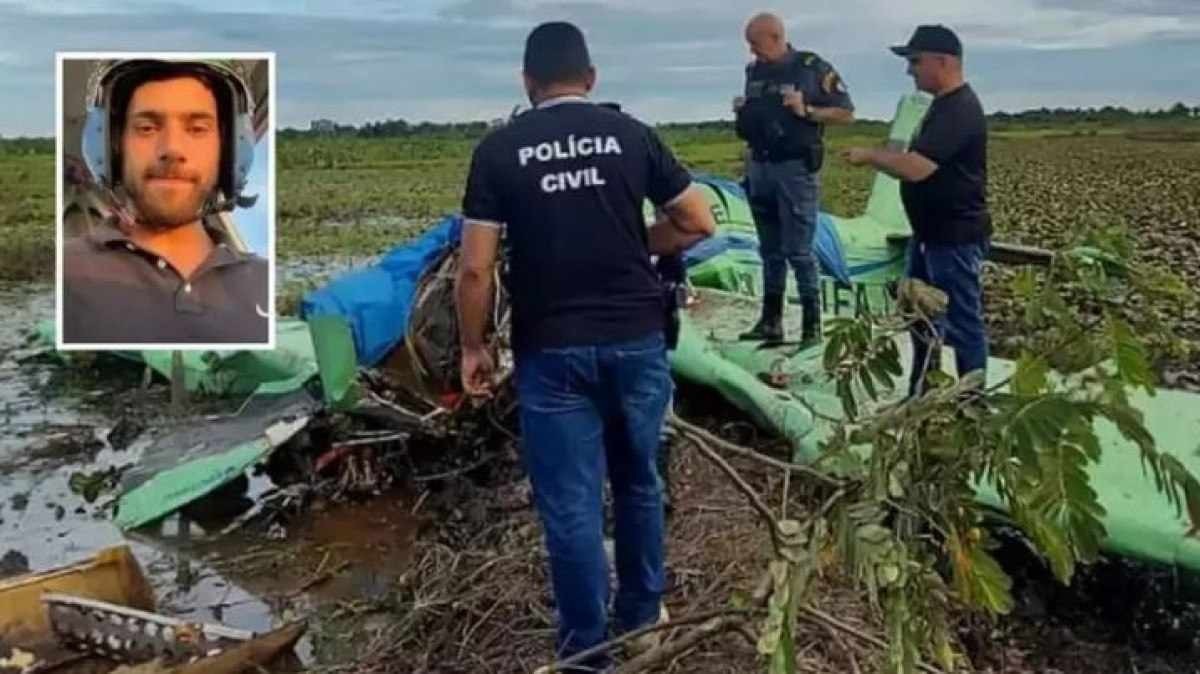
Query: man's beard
pixel 162 210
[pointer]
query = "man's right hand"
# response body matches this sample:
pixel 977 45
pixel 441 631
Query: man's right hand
pixel 477 370
pixel 738 102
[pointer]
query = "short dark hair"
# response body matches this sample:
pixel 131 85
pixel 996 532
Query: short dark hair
pixel 555 52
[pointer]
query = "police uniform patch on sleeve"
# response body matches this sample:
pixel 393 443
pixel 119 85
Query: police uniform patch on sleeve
pixel 833 83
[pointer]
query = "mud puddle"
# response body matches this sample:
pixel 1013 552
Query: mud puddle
pixel 66 433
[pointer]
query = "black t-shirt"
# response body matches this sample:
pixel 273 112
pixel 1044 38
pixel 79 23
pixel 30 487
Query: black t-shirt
pixel 568 181
pixel 950 206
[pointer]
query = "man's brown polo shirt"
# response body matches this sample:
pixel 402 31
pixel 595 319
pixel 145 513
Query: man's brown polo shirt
pixel 116 292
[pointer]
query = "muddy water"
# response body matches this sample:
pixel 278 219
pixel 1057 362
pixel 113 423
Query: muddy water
pixel 57 421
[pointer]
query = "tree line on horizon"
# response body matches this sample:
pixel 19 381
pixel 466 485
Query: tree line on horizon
pixel 397 128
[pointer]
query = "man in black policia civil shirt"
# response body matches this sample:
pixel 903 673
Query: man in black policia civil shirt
pixel 567 182
pixel 171 144
pixel 944 188
pixel 790 96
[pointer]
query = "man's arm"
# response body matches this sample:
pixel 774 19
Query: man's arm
pixel 687 216
pixel 686 220
pixel 796 102
pixel 832 104
pixel 942 138
pixel 911 166
pixel 473 290
pixel 834 116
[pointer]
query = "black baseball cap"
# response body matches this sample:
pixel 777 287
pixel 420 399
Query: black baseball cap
pixel 937 39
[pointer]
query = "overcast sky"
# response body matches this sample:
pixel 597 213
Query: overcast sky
pixel 664 60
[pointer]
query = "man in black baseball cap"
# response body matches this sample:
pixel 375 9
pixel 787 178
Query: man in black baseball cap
pixel 943 186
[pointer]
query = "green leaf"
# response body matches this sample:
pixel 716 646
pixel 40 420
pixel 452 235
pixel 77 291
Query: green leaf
pixel 1054 303
pixel 1025 284
pixel 1082 434
pixel 1066 500
pixel 873 534
pixel 846 394
pixel 937 379
pixel 1037 423
pixel 1133 366
pixel 978 578
pixel 1029 379
pixel 864 377
pixel 833 351
pixel 993 587
pixel 1179 477
pixel 1129 422
pixel 891 358
pixel 783 660
pixel 1052 544
pixel 943 652
pixel 889 574
pixel 881 372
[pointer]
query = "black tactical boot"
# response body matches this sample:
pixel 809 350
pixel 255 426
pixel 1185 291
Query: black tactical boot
pixel 769 328
pixel 810 321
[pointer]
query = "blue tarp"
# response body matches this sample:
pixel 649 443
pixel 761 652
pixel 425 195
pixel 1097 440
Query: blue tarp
pixel 375 301
pixel 827 245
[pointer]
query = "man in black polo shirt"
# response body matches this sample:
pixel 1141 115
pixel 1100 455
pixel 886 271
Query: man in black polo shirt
pixel 171 144
pixel 567 181
pixel 944 189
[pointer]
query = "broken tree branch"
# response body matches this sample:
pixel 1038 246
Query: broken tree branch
pixel 753 496
pixel 725 445
pixel 455 472
pixel 612 644
pixel 823 619
pixel 708 630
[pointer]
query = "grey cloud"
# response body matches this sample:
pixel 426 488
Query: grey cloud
pixel 1133 7
pixel 463 63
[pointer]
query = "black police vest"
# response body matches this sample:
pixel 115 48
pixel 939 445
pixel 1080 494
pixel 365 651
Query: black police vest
pixel 772 130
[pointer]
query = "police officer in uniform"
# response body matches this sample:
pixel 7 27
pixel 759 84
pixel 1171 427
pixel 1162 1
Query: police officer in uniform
pixel 566 182
pixel 790 96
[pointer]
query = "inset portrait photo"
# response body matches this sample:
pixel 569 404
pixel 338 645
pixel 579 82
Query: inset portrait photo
pixel 165 201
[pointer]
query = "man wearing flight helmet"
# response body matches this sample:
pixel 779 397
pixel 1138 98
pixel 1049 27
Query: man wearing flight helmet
pixel 170 143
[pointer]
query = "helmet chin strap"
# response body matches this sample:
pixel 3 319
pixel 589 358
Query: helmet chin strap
pixel 217 203
pixel 124 211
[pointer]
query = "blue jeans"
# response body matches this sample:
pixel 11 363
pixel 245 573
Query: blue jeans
pixel 784 199
pixel 585 411
pixel 955 270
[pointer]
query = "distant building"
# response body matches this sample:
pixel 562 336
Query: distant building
pixel 322 126
pixel 496 123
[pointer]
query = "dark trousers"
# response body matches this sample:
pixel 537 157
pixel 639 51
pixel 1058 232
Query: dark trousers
pixel 955 270
pixel 784 200
pixel 586 411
